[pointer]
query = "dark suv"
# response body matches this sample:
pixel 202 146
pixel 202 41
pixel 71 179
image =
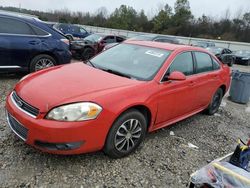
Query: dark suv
pixel 28 44
pixel 72 31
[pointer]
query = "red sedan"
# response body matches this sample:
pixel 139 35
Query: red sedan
pixel 111 102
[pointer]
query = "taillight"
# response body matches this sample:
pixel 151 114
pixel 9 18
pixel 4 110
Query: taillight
pixel 66 41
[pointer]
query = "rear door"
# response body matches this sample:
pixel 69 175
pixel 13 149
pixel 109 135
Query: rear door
pixel 17 42
pixel 207 77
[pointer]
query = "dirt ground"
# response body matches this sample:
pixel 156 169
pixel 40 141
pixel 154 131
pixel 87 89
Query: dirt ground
pixel 161 161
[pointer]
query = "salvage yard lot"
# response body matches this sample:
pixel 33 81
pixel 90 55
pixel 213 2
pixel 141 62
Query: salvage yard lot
pixel 161 161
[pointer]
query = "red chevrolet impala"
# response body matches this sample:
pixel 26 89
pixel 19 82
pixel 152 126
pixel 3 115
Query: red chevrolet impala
pixel 113 100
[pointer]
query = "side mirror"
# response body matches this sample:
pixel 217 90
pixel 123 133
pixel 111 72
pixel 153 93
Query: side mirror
pixel 176 75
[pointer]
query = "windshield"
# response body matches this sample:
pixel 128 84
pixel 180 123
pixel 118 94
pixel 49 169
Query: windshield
pixel 134 61
pixel 94 38
pixel 243 53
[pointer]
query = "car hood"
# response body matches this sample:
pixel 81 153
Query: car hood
pixel 67 84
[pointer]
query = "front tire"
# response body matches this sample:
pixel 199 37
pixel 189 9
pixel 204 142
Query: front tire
pixel 126 134
pixel 41 62
pixel 215 102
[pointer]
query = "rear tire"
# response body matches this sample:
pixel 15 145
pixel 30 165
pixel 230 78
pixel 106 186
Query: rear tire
pixel 41 62
pixel 87 54
pixel 215 103
pixel 126 134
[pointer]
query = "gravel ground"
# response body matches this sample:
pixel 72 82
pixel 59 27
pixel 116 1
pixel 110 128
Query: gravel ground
pixel 161 161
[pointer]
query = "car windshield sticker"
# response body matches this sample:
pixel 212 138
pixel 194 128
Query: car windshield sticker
pixel 153 53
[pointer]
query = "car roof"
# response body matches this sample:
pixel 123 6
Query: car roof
pixel 153 36
pixel 18 15
pixel 165 46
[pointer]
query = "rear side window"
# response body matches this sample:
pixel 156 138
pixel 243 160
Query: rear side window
pixel 39 32
pixel 183 63
pixel 12 26
pixel 204 62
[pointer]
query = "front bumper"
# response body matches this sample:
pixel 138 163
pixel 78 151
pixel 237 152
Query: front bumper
pixel 58 137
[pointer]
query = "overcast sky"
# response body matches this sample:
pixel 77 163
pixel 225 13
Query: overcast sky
pixel 215 8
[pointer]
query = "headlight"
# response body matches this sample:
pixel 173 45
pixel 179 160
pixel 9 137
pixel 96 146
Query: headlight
pixel 75 112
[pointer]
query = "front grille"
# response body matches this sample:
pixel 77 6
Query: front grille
pixel 17 128
pixel 20 103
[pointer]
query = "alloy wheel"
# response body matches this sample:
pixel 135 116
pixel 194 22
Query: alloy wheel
pixel 127 135
pixel 43 63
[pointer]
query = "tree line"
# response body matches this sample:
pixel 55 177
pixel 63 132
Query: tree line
pixel 177 20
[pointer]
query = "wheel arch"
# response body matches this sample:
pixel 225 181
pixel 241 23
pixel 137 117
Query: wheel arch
pixel 57 61
pixel 224 89
pixel 142 109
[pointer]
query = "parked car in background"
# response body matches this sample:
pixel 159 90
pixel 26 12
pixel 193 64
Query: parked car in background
pixel 242 57
pixel 108 46
pixel 72 31
pixel 111 102
pixel 223 54
pixel 28 44
pixel 156 38
pixel 92 45
pixel 203 44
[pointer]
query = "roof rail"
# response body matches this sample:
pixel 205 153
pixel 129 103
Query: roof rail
pixel 17 13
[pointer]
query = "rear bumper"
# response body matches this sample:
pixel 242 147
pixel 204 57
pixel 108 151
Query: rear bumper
pixel 64 57
pixel 58 137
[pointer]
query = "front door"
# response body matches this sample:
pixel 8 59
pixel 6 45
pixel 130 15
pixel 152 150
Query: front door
pixel 177 98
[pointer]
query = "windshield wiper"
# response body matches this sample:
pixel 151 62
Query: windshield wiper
pixel 117 73
pixel 92 64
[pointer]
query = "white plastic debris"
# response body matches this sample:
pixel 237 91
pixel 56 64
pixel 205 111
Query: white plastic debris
pixel 171 133
pixel 223 104
pixel 248 109
pixel 218 115
pixel 192 146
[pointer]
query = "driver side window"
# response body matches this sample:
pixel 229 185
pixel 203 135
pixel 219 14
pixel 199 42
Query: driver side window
pixel 182 63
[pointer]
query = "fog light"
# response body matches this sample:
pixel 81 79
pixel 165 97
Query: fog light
pixel 58 146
